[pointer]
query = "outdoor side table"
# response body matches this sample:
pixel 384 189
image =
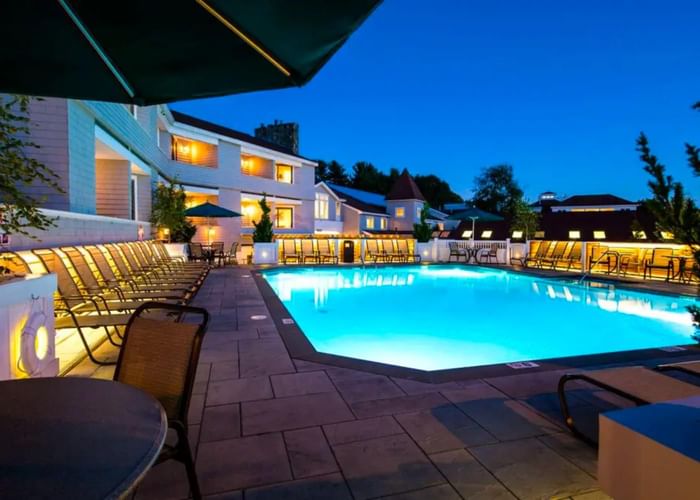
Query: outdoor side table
pixel 651 451
pixel 76 437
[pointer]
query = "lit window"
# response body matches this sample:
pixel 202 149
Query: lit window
pixel 284 218
pixel 285 173
pixel 467 234
pixel 251 212
pixel 382 223
pixel 369 223
pixel 539 234
pixel 517 235
pixel 337 210
pixel 247 165
pixel 639 235
pixel 193 152
pixel 400 212
pixel 321 206
pixel 666 235
pixel 418 211
pixel 486 234
pixel 599 235
pixel 574 235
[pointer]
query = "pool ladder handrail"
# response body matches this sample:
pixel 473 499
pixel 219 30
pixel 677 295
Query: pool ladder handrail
pixel 590 269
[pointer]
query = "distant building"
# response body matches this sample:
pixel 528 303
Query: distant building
pixel 282 134
pixel 346 210
pixel 548 201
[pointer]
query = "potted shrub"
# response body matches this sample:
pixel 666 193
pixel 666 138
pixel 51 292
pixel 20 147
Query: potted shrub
pixel 168 217
pixel 422 233
pixel 264 249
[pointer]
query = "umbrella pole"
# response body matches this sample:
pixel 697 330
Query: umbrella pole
pixel 208 231
pixel 473 228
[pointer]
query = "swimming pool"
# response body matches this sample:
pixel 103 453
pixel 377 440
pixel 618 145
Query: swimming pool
pixel 440 317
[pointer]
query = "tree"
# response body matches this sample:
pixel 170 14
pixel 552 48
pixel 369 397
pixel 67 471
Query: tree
pixel 367 177
pixel 496 190
pixel 524 219
pixel 674 211
pixel 336 174
pixel 436 191
pixel 168 211
pixel 422 231
pixel 321 172
pixel 20 211
pixel 263 227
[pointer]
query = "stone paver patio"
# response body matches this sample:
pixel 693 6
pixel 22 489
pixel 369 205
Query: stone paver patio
pixel 266 426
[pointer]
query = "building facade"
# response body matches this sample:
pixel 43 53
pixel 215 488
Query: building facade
pixel 109 157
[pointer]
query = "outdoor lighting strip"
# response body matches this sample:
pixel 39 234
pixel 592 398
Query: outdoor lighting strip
pixel 91 40
pixel 243 37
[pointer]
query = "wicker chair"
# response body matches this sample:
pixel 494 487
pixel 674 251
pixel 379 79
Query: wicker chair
pixel 160 357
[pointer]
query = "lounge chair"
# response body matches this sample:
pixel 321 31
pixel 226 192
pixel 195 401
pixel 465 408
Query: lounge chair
pixel 308 252
pixel 558 252
pixel 487 254
pixel 289 252
pixel 635 383
pixel 129 267
pixel 601 256
pixel 539 255
pixel 160 357
pixel 405 253
pixel 388 252
pixel 456 251
pixel 571 258
pixel 660 259
pixel 372 251
pixel 325 252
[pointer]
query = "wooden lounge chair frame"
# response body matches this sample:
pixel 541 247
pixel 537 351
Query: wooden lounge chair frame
pixel 325 252
pixel 289 251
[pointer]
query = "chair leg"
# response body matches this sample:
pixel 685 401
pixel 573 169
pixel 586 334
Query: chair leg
pixel 185 456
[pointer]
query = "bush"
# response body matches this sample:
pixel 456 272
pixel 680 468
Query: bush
pixel 263 227
pixel 422 231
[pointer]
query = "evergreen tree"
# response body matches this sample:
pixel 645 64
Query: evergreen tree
pixel 422 231
pixel 336 174
pixel 263 227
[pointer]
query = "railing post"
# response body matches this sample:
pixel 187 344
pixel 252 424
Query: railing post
pixel 584 257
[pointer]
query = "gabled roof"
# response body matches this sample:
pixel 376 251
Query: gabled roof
pixel 405 188
pixel 193 121
pixel 582 200
pixel 364 201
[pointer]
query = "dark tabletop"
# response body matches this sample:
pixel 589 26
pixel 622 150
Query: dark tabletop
pixel 76 437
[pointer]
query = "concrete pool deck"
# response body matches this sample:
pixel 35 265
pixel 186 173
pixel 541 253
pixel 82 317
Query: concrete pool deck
pixel 267 425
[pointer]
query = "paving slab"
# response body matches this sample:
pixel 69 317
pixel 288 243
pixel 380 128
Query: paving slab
pixel 469 477
pixel 532 470
pixel 328 487
pixel 394 406
pixel 298 384
pixel 223 370
pixel 293 413
pixel 263 357
pixel 220 422
pixel 386 465
pixel 366 388
pixel 242 463
pixel 223 392
pixel 362 430
pixel 309 453
pixel 442 492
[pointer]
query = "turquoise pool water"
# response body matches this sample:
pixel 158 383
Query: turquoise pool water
pixel 438 317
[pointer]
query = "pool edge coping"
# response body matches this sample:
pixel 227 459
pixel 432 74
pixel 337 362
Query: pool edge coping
pixel 300 347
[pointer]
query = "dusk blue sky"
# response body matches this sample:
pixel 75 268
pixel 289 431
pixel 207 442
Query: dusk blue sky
pixel 560 90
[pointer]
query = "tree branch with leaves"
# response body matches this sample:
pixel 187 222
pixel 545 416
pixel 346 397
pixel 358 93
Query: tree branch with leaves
pixel 19 210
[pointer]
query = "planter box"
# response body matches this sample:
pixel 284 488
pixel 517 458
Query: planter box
pixel 265 253
pixel 426 251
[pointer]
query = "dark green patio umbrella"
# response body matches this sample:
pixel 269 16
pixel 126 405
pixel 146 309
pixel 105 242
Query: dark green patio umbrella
pixel 474 214
pixel 210 211
pixel 157 51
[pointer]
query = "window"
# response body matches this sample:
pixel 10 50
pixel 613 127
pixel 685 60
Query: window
pixel 517 235
pixel 285 173
pixel 599 235
pixel 639 235
pixel 574 235
pixel 418 211
pixel 666 235
pixel 382 223
pixel 400 212
pixel 284 218
pixel 486 234
pixel 133 193
pixel 337 210
pixel 321 206
pixel 247 165
pixel 369 223
pixel 467 234
pixel 539 234
pixel 251 212
pixel 193 152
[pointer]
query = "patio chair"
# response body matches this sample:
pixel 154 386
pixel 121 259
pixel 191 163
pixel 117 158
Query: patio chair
pixel 405 253
pixel 231 255
pixel 217 252
pixel 660 259
pixel 289 251
pixel 536 259
pixel 488 254
pixel 635 383
pixel 558 252
pixel 571 258
pixel 456 251
pixel 388 251
pixel 325 252
pixel 308 252
pixel 601 256
pixel 160 357
pixel 196 252
pixel 372 251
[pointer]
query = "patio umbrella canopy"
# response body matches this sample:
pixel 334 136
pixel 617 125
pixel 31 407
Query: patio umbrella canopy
pixel 475 213
pixel 159 51
pixel 210 211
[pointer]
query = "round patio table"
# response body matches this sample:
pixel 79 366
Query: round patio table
pixel 76 437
